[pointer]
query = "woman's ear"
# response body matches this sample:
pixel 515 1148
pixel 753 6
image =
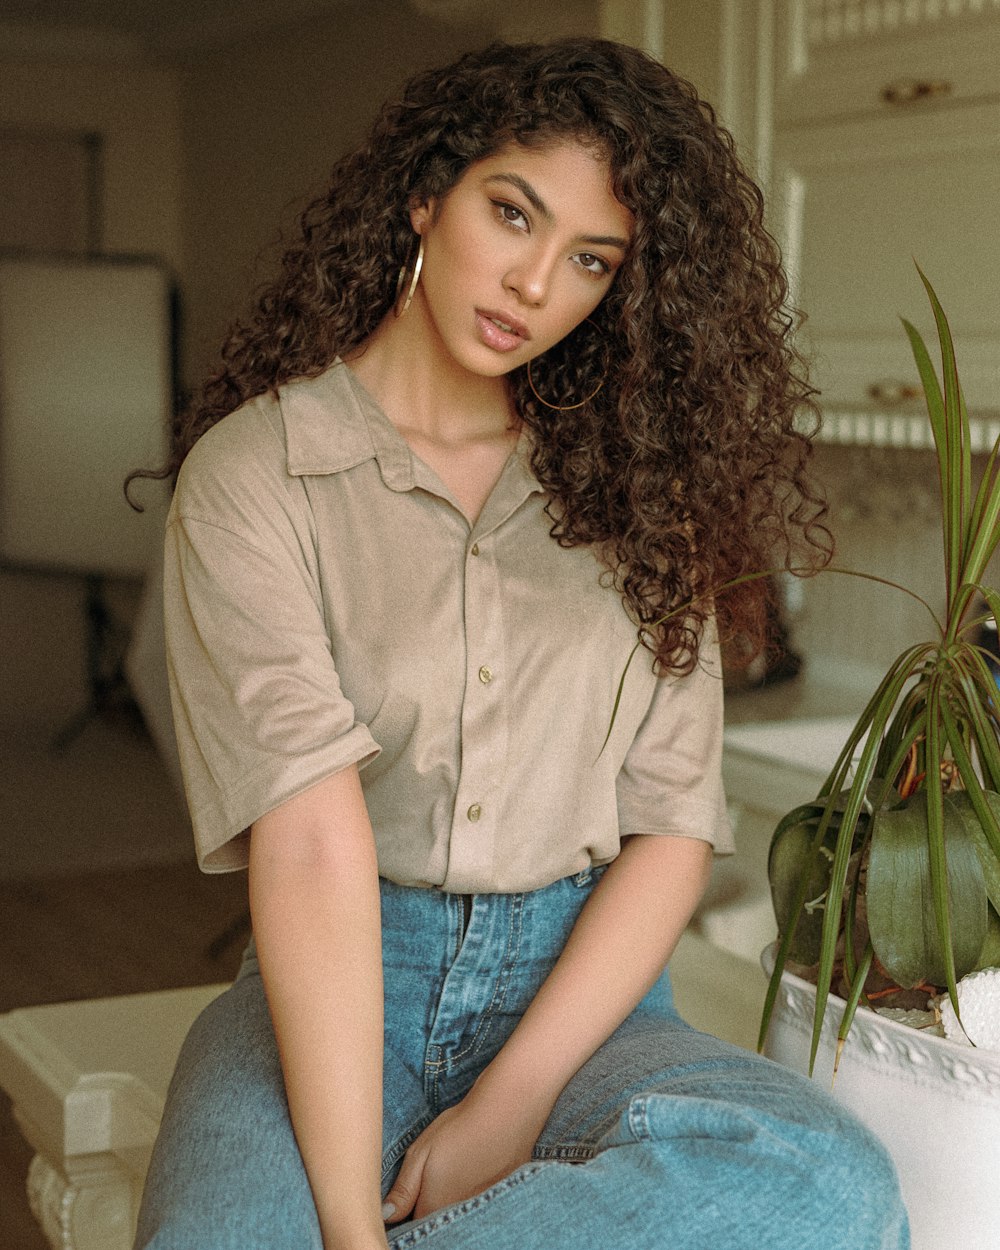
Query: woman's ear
pixel 421 213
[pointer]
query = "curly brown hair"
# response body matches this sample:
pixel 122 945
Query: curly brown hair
pixel 685 470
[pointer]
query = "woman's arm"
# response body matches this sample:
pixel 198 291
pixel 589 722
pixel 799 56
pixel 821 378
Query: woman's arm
pixel 315 901
pixel 622 939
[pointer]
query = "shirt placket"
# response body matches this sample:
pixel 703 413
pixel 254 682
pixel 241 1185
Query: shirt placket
pixel 484 721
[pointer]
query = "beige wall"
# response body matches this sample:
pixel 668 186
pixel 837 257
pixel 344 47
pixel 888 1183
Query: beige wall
pixel 137 112
pixel 263 122
pixel 203 162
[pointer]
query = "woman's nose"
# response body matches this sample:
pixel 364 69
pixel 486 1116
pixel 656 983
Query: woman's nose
pixel 531 277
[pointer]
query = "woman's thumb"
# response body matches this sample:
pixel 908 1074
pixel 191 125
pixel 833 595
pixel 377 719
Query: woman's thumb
pixel 402 1197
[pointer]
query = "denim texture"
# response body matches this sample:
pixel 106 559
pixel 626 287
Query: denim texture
pixel 667 1137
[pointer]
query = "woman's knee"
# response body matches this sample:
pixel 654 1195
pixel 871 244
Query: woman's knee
pixel 225 1170
pixel 265 1221
pixel 780 1158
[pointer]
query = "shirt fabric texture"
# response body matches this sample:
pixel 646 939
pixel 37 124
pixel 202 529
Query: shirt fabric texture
pixel 328 603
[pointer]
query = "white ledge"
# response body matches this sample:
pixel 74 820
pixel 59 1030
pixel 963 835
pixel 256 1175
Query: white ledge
pixel 906 429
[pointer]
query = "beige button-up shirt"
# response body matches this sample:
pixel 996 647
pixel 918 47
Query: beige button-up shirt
pixel 327 603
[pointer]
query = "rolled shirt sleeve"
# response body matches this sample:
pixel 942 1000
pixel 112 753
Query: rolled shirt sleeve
pixel 670 781
pixel 258 706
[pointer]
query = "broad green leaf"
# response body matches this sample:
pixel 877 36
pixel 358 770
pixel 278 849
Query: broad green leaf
pixel 986 816
pixel 794 860
pixel 891 689
pixel 989 956
pixel 901 912
pixel 964 802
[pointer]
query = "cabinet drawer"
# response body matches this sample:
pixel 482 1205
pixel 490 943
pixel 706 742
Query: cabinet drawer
pixel 845 58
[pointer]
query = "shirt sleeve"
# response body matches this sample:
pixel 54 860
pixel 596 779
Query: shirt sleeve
pixel 258 708
pixel 671 779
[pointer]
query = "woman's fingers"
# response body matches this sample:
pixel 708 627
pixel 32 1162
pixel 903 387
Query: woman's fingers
pixel 402 1197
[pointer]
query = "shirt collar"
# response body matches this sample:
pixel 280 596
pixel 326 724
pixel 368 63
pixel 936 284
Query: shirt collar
pixel 332 424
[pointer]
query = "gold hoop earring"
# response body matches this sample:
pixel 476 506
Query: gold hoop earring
pixel 418 264
pixel 563 407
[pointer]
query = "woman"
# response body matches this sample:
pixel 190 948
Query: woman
pixel 522 390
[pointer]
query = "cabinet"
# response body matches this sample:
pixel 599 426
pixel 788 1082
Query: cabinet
pixel 886 150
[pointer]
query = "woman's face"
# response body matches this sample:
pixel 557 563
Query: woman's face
pixel 521 250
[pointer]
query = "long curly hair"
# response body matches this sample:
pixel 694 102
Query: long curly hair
pixel 686 470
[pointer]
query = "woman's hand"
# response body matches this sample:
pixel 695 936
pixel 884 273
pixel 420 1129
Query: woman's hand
pixel 467 1149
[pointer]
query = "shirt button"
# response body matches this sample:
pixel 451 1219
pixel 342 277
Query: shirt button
pixel 485 675
pixel 474 812
pixel 475 549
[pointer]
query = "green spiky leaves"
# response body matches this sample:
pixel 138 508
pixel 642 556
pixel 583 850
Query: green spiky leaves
pixel 911 811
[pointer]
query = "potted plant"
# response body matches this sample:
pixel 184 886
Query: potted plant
pixel 886 887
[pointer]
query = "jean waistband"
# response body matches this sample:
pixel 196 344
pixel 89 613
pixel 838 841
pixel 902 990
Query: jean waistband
pixel 431 923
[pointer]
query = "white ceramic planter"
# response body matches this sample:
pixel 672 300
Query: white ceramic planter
pixel 935 1104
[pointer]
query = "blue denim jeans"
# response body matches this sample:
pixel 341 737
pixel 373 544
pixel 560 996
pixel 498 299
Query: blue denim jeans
pixel 667 1139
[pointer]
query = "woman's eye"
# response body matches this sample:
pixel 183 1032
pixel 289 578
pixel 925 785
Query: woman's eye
pixel 511 215
pixel 593 264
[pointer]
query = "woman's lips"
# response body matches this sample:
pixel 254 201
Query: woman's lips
pixel 500 333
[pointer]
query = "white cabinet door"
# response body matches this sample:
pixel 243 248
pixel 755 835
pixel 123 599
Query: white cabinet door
pixel 858 204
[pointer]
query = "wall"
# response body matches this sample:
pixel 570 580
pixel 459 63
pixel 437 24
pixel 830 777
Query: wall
pixel 136 110
pixel 263 122
pixel 205 159
pixel 885 515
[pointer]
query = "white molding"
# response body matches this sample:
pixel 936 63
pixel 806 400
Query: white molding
pixel 860 427
pixel 891 1049
pixel 93 1209
pixel 831 22
pixel 745 102
pixel 654 28
pixel 764 102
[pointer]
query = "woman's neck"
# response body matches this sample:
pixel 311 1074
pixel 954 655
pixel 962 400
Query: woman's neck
pixel 423 390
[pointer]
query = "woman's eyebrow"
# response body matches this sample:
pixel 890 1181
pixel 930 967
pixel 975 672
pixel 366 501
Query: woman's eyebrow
pixel 540 207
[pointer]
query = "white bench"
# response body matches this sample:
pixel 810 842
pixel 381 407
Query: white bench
pixel 88 1080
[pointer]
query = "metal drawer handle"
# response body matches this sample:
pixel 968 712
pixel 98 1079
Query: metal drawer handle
pixel 911 90
pixel 891 394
